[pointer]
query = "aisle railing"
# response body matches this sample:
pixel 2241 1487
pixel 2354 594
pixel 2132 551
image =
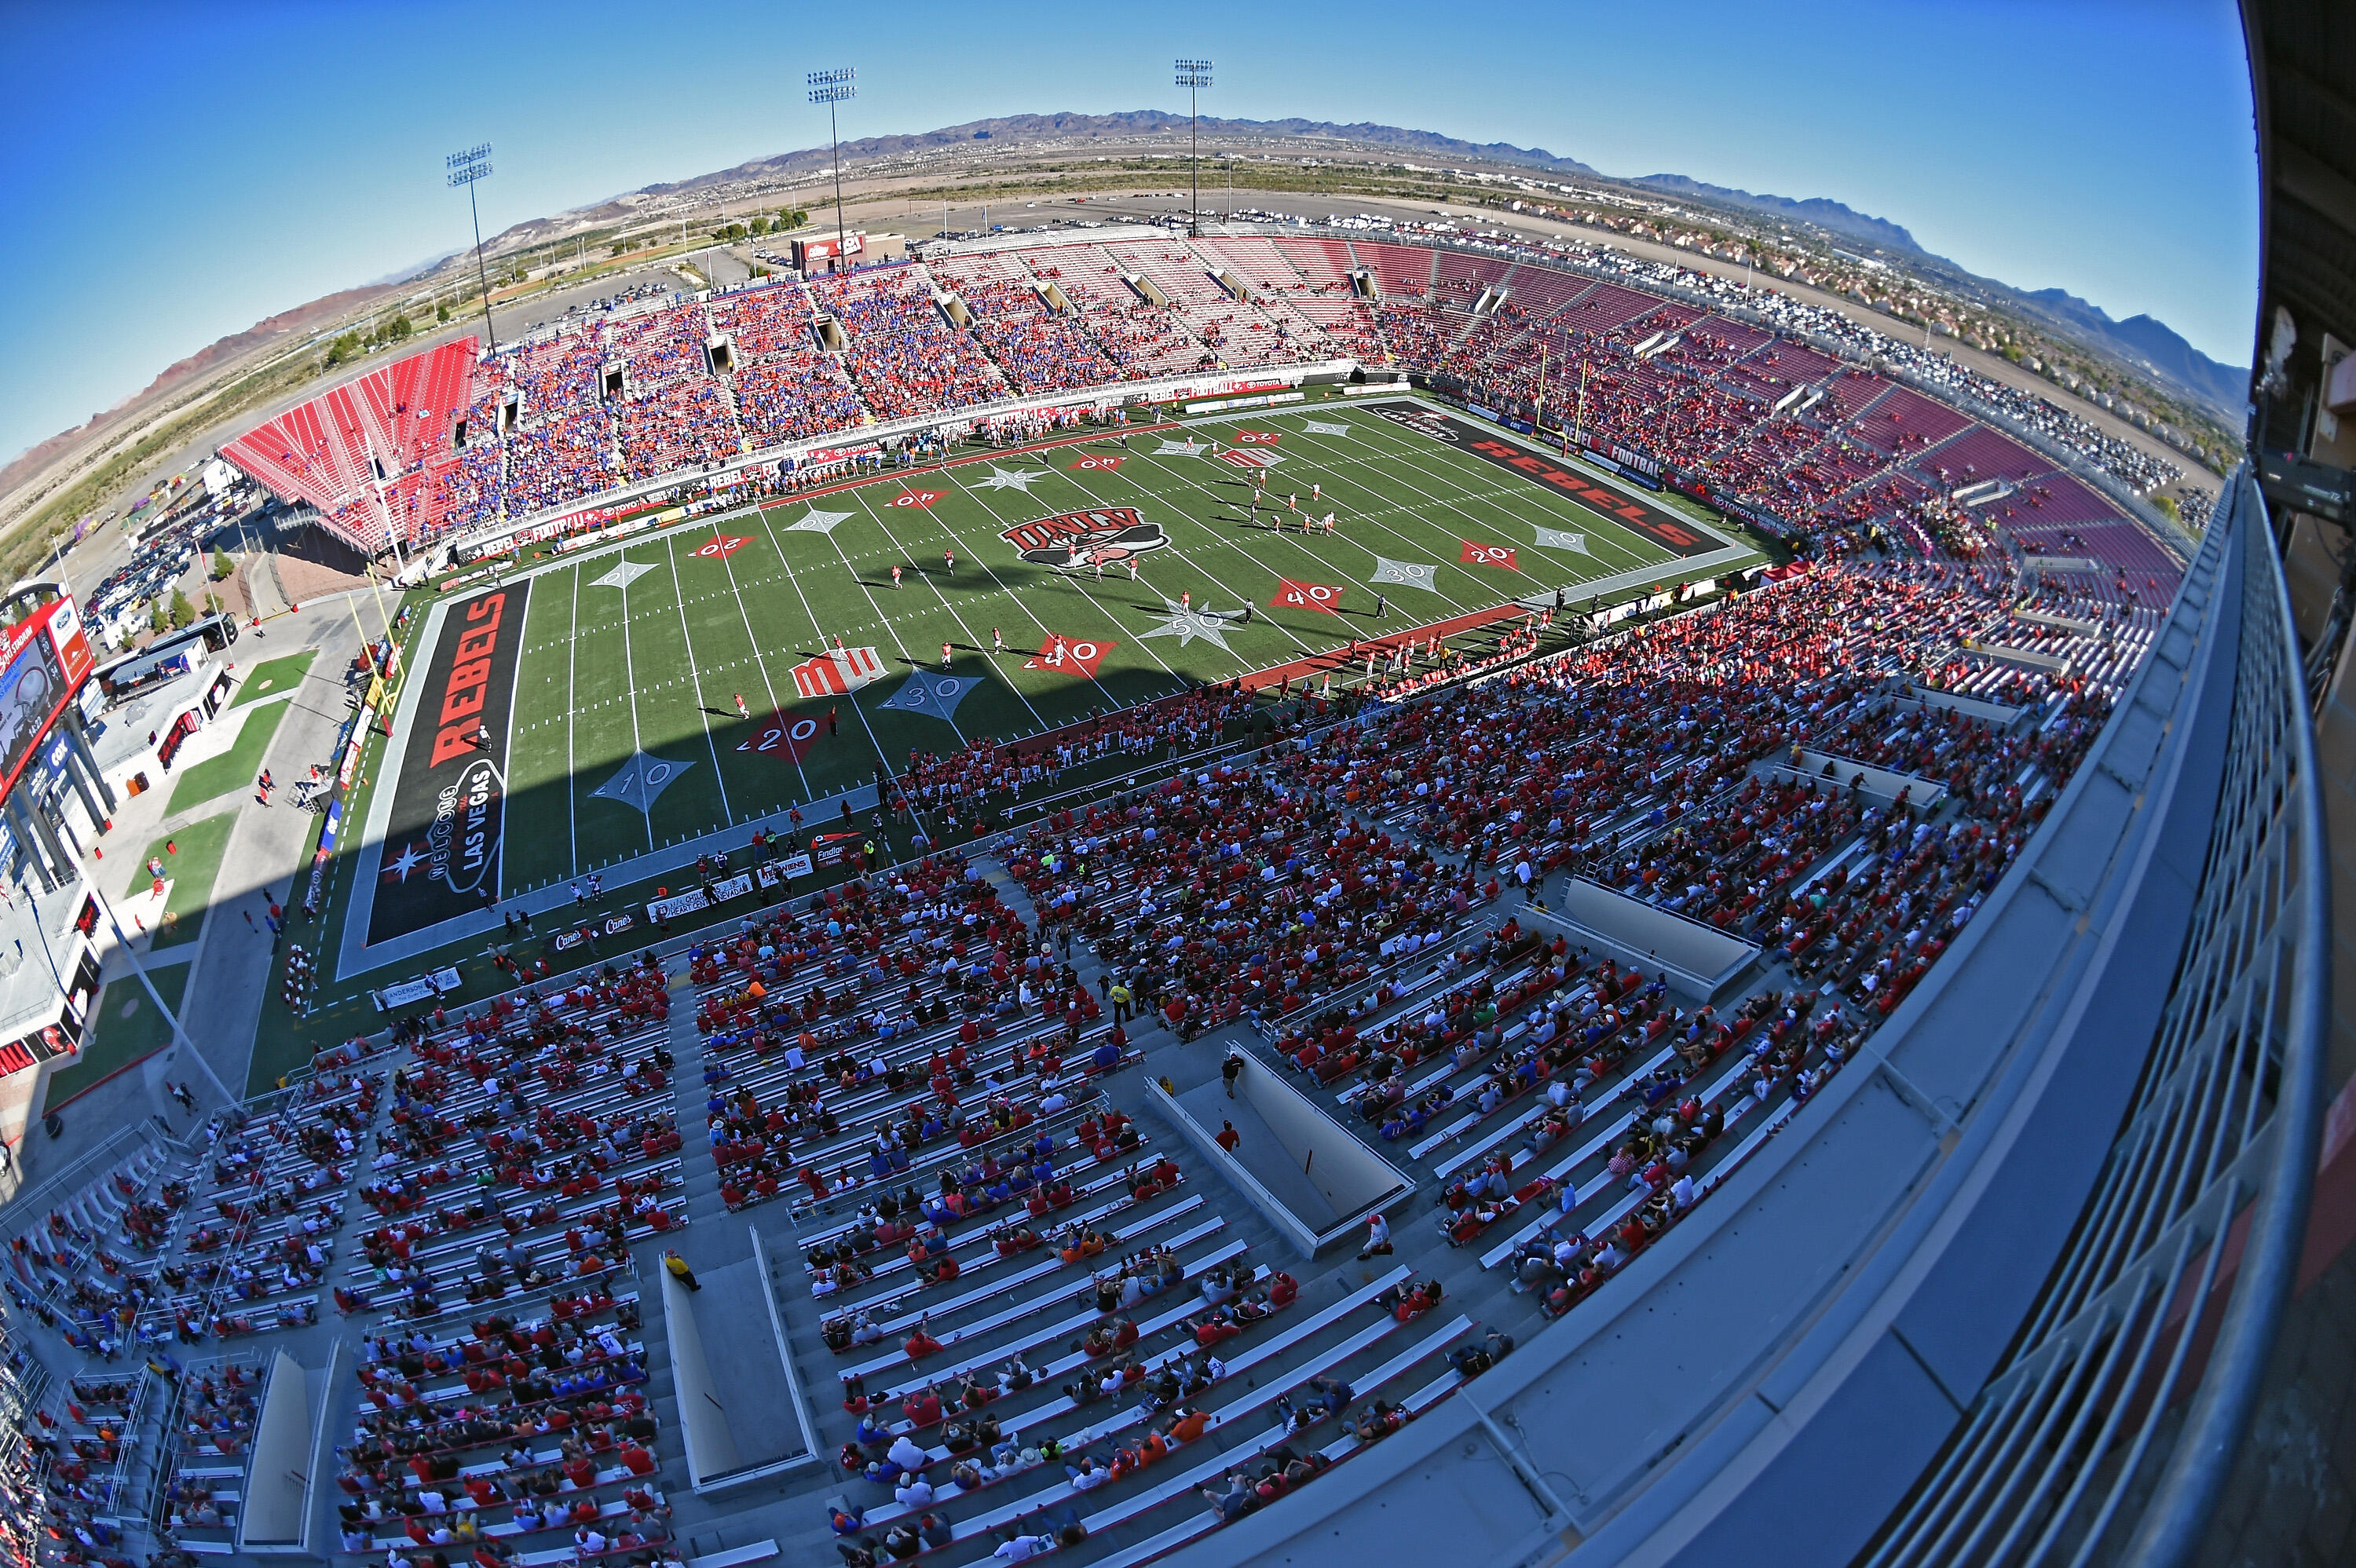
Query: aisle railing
pixel 2082 1447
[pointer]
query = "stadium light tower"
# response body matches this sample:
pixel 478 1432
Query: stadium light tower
pixel 832 86
pixel 464 168
pixel 1193 76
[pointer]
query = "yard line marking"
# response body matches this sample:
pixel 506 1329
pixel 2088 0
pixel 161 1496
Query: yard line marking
pixel 695 679
pixel 572 668
pixel 1247 600
pixel 1301 545
pixel 1094 603
pixel 1384 449
pixel 1355 476
pixel 942 596
pixel 1397 446
pixel 630 675
pixel 1637 550
pixel 886 620
pixel 1389 446
pixel 882 762
pixel 728 564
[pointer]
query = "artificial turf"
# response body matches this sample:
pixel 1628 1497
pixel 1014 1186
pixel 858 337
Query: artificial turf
pixel 274 678
pixel 233 769
pixel 656 664
pixel 124 1027
pixel 646 645
pixel 192 858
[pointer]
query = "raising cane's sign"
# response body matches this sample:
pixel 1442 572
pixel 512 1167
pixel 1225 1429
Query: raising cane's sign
pixel 440 854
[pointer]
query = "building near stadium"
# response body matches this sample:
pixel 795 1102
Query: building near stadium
pixel 55 801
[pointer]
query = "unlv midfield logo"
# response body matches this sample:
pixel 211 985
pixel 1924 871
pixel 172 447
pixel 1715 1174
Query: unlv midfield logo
pixel 1077 541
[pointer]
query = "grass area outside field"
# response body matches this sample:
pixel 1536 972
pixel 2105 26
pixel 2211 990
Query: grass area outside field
pixel 124 1027
pixel 281 1041
pixel 274 678
pixel 234 769
pixel 191 865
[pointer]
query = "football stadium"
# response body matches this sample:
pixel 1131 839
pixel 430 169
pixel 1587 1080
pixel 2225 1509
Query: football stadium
pixel 1192 879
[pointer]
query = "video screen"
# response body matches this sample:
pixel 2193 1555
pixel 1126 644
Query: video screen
pixel 30 690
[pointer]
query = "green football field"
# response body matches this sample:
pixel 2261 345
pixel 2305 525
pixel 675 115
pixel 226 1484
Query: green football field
pixel 644 647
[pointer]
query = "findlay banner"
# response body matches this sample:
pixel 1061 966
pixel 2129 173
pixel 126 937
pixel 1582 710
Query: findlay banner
pixel 440 854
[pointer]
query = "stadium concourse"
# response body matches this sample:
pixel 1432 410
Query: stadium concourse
pixel 1031 1308
pixel 1770 410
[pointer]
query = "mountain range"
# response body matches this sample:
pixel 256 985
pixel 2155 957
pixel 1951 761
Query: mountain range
pixel 2140 340
pixel 2155 345
pixel 1836 217
pixel 1020 128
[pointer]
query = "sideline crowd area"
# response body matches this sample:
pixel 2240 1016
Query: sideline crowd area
pixel 1045 1315
pixel 1824 447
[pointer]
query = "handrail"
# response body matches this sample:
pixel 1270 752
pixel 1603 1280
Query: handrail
pixel 2187 1493
pixel 2070 1440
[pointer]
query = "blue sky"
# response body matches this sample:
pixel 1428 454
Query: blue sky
pixel 174 173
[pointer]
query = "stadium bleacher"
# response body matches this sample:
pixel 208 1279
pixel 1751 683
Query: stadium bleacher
pixel 765 321
pixel 1400 270
pixel 901 352
pixel 1832 452
pixel 1047 1313
pixel 389 426
pixel 1143 338
pixel 683 423
pixel 1038 349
